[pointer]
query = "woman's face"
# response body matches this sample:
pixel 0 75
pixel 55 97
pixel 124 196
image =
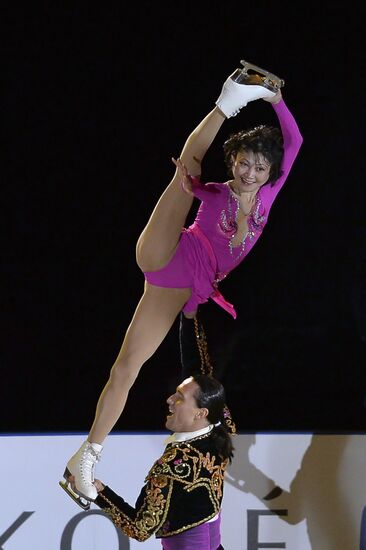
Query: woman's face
pixel 250 171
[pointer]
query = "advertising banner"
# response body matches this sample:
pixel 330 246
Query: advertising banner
pixel 293 491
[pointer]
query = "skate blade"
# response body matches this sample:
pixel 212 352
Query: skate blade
pixel 76 497
pixel 258 76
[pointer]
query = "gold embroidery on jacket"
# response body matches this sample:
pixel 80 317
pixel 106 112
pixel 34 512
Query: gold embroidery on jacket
pixel 184 465
pixel 150 515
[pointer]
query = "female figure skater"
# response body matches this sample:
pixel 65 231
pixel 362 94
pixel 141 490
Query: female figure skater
pixel 183 266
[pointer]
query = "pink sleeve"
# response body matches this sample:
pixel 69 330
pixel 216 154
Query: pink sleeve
pixel 203 191
pixel 292 140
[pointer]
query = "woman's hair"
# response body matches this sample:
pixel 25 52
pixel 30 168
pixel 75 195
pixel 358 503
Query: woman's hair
pixel 266 140
pixel 211 395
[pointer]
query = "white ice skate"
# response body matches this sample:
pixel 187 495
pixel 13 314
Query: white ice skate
pixel 79 474
pixel 244 86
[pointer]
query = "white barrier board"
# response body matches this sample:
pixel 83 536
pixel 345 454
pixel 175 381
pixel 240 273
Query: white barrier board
pixel 318 486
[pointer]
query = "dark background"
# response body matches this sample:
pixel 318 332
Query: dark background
pixel 95 102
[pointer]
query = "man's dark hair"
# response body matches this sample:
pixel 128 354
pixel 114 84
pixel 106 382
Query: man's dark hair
pixel 211 395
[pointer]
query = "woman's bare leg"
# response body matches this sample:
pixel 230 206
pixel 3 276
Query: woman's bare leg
pixel 151 322
pixel 160 237
pixel 158 241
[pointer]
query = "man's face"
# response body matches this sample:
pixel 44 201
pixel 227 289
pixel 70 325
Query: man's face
pixel 184 415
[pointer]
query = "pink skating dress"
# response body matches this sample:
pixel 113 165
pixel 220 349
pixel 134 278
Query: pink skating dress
pixel 205 253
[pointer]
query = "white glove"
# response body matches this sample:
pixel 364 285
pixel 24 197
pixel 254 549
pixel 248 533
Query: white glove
pixel 234 96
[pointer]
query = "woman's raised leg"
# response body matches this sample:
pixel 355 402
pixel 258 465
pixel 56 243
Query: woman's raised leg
pixel 159 239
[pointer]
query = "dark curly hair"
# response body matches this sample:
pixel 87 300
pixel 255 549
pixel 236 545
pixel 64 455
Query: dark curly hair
pixel 211 395
pixel 266 140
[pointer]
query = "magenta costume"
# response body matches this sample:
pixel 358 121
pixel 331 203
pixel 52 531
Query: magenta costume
pixel 205 253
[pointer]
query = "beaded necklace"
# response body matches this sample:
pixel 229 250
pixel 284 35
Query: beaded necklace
pixel 249 234
pixel 229 222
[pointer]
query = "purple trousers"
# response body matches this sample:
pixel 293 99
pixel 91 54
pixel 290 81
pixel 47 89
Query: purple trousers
pixel 204 537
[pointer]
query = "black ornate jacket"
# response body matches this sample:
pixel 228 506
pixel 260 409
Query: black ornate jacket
pixel 183 489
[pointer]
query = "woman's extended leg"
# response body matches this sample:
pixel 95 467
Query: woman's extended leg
pixel 152 320
pixel 160 237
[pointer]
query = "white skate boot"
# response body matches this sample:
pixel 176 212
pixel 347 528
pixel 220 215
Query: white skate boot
pixel 79 474
pixel 242 87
